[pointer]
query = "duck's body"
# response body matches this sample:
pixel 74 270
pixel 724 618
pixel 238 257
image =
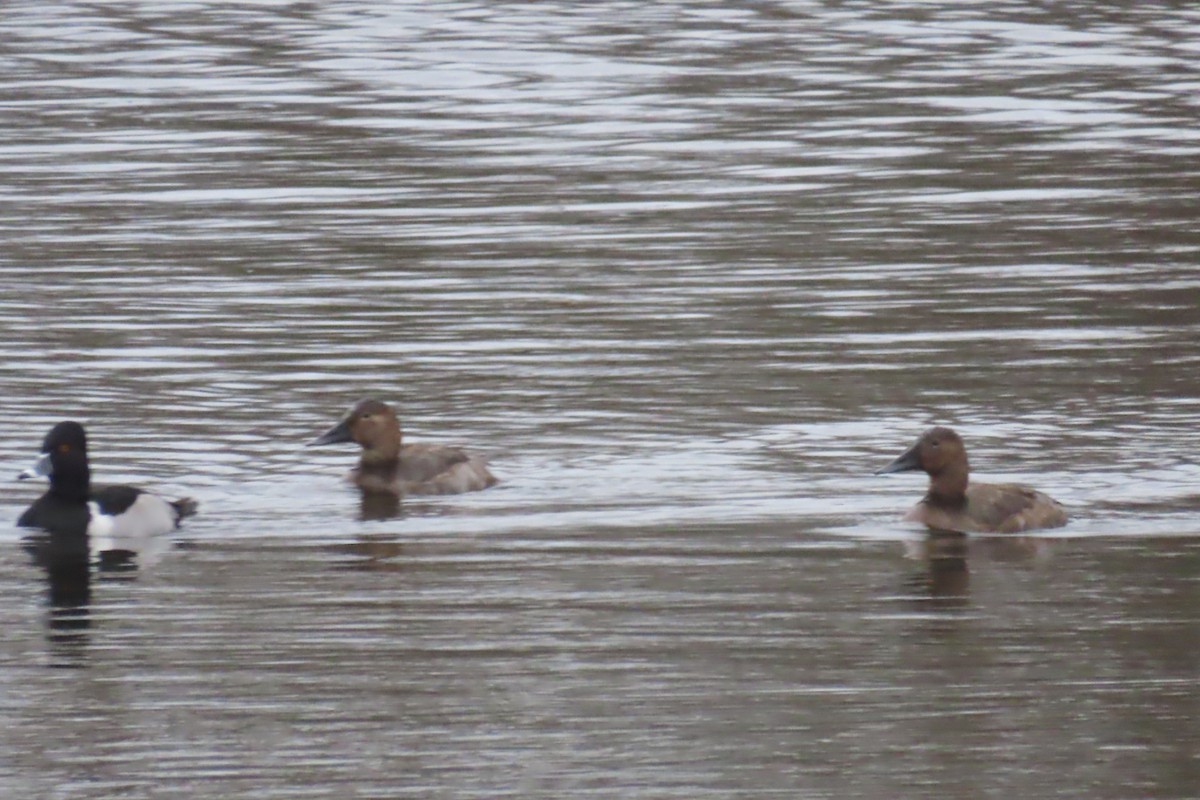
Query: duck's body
pixel 424 469
pixel 991 508
pixel 954 504
pixel 391 467
pixel 114 510
pixel 80 519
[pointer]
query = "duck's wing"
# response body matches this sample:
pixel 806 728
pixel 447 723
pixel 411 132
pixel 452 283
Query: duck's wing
pixel 115 500
pixel 422 462
pixel 1009 508
pixel 437 469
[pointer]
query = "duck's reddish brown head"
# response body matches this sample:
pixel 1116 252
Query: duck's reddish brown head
pixel 937 452
pixel 372 425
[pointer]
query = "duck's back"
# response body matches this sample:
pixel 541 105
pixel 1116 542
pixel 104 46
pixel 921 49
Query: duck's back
pixel 993 508
pixel 424 469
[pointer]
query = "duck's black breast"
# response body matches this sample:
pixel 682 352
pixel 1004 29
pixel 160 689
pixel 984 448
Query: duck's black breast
pixel 53 514
pixel 31 518
pixel 59 540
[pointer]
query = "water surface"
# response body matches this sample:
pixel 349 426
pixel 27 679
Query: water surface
pixel 688 274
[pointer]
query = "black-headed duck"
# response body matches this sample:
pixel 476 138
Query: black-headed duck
pixel 389 466
pixel 951 504
pixel 79 518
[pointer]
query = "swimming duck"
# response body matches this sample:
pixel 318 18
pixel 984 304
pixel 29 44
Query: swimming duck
pixel 80 519
pixel 388 466
pixel 953 505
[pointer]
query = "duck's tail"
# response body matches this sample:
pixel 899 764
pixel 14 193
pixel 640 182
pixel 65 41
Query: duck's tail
pixel 184 507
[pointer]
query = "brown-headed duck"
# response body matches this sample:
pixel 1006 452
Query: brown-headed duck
pixel 389 466
pixel 80 518
pixel 953 505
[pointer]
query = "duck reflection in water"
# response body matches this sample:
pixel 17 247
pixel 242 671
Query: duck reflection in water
pixel 946 558
pixel 378 505
pixel 370 553
pixel 946 577
pixel 68 571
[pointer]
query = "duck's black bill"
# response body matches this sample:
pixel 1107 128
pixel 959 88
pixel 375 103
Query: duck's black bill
pixel 909 460
pixel 336 435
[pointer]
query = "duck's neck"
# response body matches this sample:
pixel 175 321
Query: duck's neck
pixel 71 482
pixel 373 464
pixel 948 487
pixel 383 456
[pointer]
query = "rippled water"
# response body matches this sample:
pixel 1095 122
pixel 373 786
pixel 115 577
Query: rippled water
pixel 689 274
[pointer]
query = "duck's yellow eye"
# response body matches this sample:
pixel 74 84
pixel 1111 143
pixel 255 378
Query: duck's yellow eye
pixel 64 448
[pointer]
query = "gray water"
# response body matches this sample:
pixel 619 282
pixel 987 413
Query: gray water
pixel 688 273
